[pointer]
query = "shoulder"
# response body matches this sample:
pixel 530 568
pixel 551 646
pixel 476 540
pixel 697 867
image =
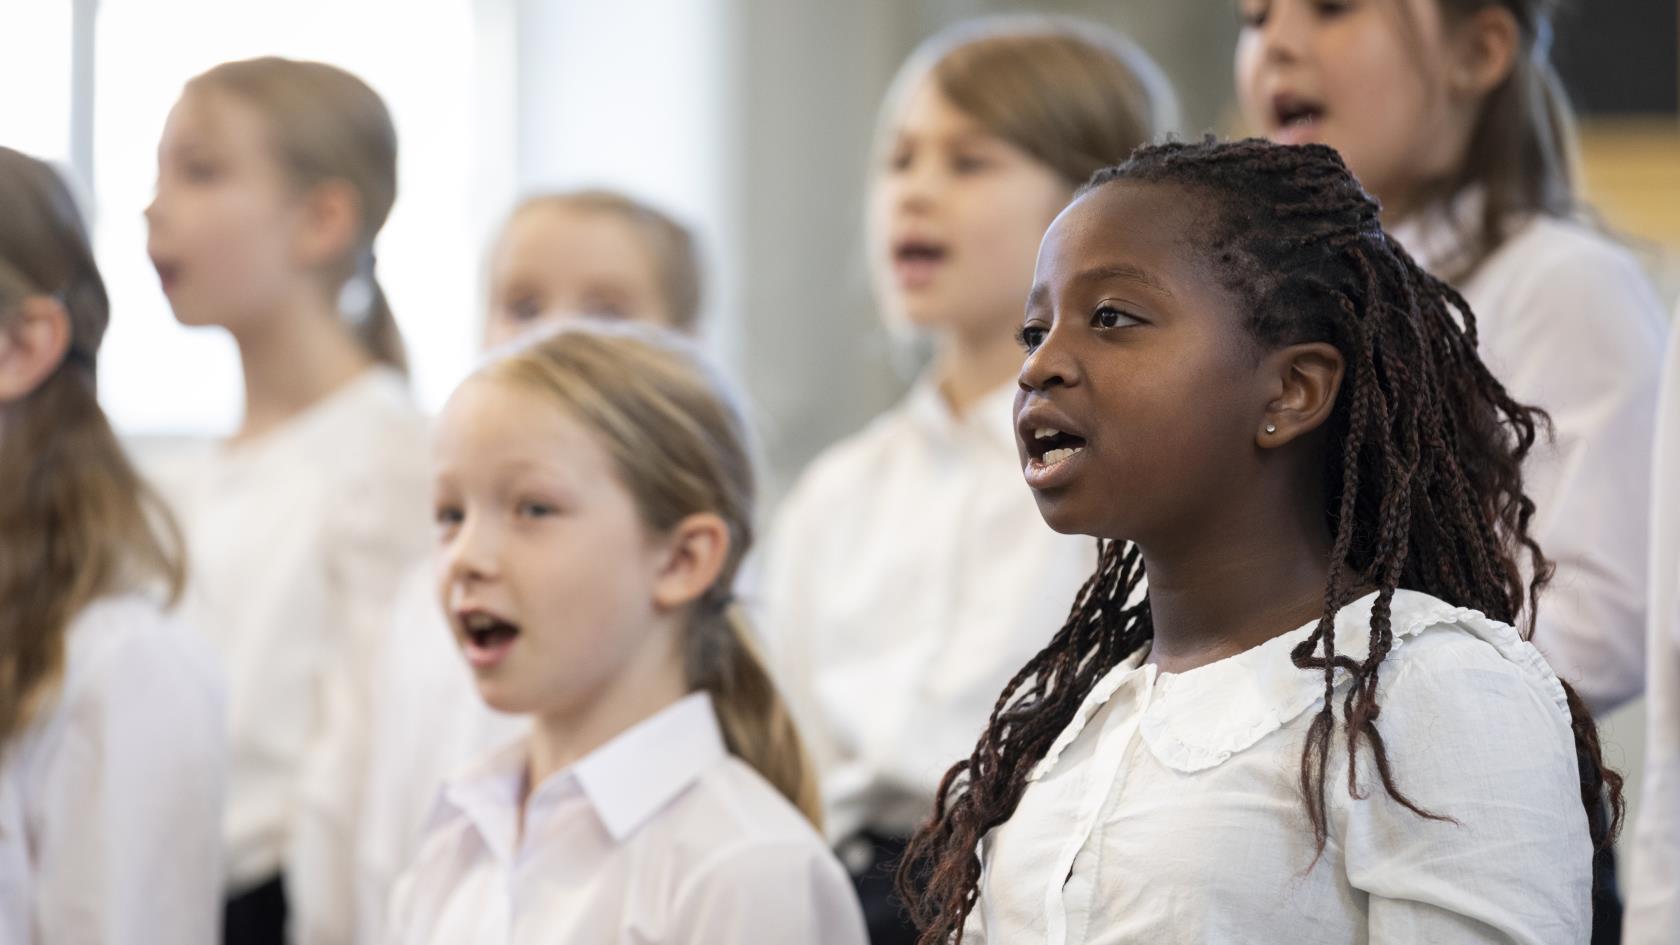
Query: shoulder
pixel 733 827
pixel 1550 254
pixel 132 635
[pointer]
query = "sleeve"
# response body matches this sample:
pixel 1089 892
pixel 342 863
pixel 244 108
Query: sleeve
pixel 131 839
pixel 1581 336
pixel 1481 741
pixel 381 532
pixel 789 584
pixel 781 893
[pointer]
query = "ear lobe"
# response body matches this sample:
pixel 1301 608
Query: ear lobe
pixel 1309 378
pixel 332 219
pixel 33 346
pixel 1487 45
pixel 696 551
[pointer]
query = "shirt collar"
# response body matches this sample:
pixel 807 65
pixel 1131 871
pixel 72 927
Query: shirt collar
pixel 1440 237
pixel 1198 719
pixel 626 781
pixel 991 419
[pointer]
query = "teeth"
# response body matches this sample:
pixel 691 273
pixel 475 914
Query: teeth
pixel 1045 433
pixel 1056 456
pixel 479 622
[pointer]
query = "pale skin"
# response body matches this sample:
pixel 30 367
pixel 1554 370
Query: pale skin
pixel 1393 85
pixel 983 203
pixel 536 529
pixel 33 342
pixel 241 246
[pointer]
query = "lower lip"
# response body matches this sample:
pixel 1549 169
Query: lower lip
pixel 1300 132
pixel 168 282
pixel 917 273
pixel 487 657
pixel 1040 476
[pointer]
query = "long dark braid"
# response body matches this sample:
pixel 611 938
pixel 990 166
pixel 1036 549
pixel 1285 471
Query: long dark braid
pixel 1425 493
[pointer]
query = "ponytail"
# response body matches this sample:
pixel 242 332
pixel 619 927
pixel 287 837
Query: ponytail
pixel 362 303
pixel 722 660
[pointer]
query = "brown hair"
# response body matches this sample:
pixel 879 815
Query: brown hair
pixel 76 522
pixel 672 245
pixel 329 125
pixel 1075 96
pixel 680 447
pixel 1523 151
pixel 1423 482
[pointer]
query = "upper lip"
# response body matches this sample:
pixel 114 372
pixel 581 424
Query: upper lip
pixel 1041 414
pixel 915 242
pixel 465 616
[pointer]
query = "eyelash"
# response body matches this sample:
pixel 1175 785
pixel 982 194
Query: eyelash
pixel 1030 337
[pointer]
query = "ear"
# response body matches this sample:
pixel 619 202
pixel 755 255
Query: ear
pixel 1305 380
pixel 1484 49
pixel 331 223
pixel 32 346
pixel 696 551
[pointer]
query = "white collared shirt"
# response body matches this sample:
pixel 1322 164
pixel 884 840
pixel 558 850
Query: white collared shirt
pixel 296 542
pixel 659 836
pixel 1170 812
pixel 909 576
pixel 1653 904
pixel 110 798
pixel 1569 323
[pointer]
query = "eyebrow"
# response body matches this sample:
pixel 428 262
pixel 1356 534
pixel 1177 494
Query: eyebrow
pixel 1122 271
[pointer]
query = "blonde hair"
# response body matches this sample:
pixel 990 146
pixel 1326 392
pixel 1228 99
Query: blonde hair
pixel 329 125
pixel 675 254
pixel 76 522
pixel 1074 95
pixel 680 447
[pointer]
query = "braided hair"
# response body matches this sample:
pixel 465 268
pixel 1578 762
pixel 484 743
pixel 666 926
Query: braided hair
pixel 1424 488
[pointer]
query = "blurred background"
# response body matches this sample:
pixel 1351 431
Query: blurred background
pixel 751 119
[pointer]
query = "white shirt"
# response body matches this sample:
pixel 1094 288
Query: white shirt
pixel 909 576
pixel 1569 323
pixel 296 542
pixel 1170 811
pixel 659 836
pixel 110 798
pixel 426 722
pixel 1653 905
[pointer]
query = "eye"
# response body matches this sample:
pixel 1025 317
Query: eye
pixel 523 308
pixel 1332 8
pixel 447 518
pixel 1253 15
pixel 969 164
pixel 898 159
pixel 535 509
pixel 605 308
pixel 1107 317
pixel 1029 337
pixel 200 172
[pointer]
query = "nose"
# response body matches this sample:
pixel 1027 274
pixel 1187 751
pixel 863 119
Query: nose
pixel 916 184
pixel 1049 365
pixel 470 557
pixel 1283 35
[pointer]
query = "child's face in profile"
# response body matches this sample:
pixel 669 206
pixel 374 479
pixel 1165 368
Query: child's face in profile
pixel 1141 395
pixel 545 568
pixel 555 263
pixel 223 222
pixel 955 216
pixel 1366 77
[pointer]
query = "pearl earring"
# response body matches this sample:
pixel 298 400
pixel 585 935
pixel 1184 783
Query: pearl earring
pixel 1270 428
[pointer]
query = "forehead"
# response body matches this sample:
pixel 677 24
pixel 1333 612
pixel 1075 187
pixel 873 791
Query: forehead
pixel 209 117
pixel 925 111
pixel 498 420
pixel 1147 225
pixel 563 240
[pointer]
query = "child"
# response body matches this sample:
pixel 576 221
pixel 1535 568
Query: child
pixel 1451 115
pixel 559 257
pixel 274 177
pixel 594 499
pixel 909 574
pixel 1260 400
pixel 1653 908
pixel 111 749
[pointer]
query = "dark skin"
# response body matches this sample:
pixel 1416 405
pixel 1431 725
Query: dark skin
pixel 1198 445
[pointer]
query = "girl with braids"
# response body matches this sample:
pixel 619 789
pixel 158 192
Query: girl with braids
pixel 274 177
pixel 1317 723
pixel 909 574
pixel 1451 115
pixel 111 750
pixel 594 500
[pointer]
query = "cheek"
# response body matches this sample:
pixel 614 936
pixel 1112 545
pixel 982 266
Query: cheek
pixel 1247 74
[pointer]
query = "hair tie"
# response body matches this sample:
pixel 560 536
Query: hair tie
pixel 355 300
pixel 1542 40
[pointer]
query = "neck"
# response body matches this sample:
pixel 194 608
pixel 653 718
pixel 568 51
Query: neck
pixel 640 691
pixel 291 360
pixel 968 367
pixel 1236 585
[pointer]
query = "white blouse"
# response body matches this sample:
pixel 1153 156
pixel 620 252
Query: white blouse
pixel 110 799
pixel 909 576
pixel 1653 904
pixel 659 836
pixel 1571 324
pixel 426 722
pixel 297 540
pixel 1170 812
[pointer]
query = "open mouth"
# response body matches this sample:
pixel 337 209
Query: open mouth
pixel 487 637
pixel 1297 118
pixel 1049 446
pixel 915 261
pixel 168 274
